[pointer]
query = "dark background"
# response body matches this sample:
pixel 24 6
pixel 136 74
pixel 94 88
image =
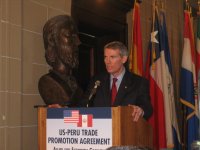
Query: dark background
pixel 99 22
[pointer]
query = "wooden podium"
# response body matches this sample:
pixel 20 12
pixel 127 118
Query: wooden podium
pixel 125 131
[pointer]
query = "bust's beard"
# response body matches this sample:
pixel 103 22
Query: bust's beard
pixel 69 56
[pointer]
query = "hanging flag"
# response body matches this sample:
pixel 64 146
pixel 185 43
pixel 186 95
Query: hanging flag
pixel 154 74
pixel 171 122
pixel 136 56
pixel 198 64
pixel 159 73
pixel 188 82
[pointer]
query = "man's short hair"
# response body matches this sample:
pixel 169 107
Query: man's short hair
pixel 117 45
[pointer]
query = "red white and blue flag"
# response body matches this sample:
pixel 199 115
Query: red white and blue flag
pixel 171 121
pixel 153 74
pixel 188 83
pixel 71 116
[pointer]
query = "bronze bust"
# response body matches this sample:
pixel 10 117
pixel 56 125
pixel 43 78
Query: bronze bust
pixel 61 42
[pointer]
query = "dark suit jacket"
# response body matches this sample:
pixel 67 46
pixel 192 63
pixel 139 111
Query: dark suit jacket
pixel 133 90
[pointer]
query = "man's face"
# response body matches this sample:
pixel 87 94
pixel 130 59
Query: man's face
pixel 114 61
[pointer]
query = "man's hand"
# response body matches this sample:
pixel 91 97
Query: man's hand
pixel 137 112
pixel 54 106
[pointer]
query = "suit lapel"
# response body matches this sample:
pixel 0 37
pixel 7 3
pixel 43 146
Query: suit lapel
pixel 106 90
pixel 123 88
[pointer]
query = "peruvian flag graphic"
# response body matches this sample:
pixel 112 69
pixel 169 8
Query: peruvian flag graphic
pixel 85 120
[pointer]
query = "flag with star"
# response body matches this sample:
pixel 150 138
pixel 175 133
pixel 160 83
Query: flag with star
pixel 159 72
pixel 188 83
pixel 153 74
pixel 136 54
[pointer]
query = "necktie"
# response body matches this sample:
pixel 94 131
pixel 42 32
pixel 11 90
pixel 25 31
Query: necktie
pixel 114 89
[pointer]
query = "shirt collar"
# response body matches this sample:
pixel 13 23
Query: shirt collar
pixel 119 78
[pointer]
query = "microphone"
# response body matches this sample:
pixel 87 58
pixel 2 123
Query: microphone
pixel 96 84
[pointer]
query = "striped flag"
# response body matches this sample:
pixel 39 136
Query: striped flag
pixel 85 120
pixel 153 73
pixel 136 54
pixel 171 122
pixel 71 116
pixel 188 82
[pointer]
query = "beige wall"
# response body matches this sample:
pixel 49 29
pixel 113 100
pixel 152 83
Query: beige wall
pixel 21 64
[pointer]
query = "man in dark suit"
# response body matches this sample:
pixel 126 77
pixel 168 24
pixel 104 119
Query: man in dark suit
pixel 129 88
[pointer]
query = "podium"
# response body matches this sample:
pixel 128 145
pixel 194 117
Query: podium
pixel 124 130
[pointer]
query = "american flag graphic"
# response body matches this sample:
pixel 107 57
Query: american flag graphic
pixel 71 116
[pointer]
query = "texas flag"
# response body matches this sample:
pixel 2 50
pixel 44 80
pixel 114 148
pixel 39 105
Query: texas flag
pixel 85 120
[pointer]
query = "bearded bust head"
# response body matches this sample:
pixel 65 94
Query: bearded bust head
pixel 61 42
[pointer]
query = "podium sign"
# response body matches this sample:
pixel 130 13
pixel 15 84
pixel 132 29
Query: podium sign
pixel 78 128
pixel 91 128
